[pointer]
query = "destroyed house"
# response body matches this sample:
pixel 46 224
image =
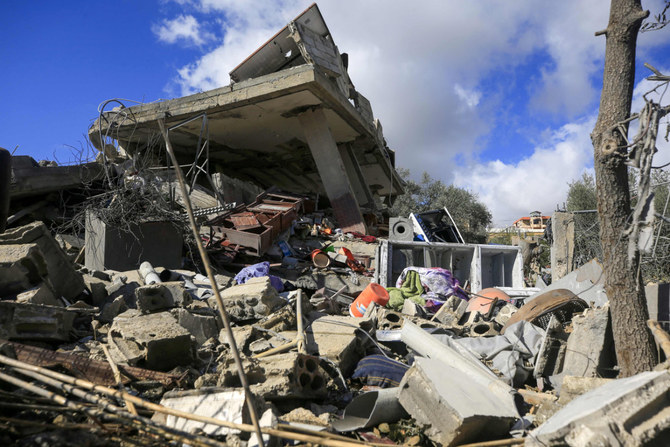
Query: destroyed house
pixel 291 118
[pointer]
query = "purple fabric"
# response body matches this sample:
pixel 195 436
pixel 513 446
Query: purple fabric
pixel 256 271
pixel 438 283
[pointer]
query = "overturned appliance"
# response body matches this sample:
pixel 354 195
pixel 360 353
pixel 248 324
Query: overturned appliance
pixel 436 226
pixel 291 118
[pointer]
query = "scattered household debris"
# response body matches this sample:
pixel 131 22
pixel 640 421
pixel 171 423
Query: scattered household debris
pixel 258 300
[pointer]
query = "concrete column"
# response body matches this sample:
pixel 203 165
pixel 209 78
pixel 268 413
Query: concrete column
pixel 563 246
pixel 331 170
pixel 356 178
pixel 5 180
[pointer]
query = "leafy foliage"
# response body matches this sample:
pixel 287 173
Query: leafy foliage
pixel 471 215
pixel 659 21
pixel 582 194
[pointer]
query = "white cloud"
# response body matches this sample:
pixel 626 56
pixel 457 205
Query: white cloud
pixel 182 28
pixel 469 97
pixel 538 182
pixel 429 70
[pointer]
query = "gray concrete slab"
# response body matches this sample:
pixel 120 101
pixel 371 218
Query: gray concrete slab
pixel 456 409
pixel 631 412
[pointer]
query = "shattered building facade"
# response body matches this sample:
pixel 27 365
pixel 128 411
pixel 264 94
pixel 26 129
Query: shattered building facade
pixel 291 118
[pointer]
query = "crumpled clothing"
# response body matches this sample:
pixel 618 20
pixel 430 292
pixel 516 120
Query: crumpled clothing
pixel 409 289
pixel 378 370
pixel 438 284
pixel 256 271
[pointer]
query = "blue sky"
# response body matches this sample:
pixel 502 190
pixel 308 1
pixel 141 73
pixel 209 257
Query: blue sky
pixel 495 96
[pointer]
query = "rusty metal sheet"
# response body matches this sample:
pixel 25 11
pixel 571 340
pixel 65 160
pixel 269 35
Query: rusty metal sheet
pixel 559 302
pixel 85 368
pixel 244 221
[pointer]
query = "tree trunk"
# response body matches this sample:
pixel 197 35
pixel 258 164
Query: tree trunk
pixel 623 282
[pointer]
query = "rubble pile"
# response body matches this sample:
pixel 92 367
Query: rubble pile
pixel 145 309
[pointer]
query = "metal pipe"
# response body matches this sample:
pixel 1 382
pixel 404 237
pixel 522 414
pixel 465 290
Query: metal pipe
pixel 148 274
pixel 96 413
pixel 300 337
pixel 284 432
pixel 5 179
pixel 215 289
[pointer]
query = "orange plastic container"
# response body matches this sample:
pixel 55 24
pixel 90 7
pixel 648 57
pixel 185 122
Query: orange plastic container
pixel 373 292
pixel 482 303
pixel 320 259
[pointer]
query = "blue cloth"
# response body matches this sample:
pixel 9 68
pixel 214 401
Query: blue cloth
pixel 377 370
pixel 256 271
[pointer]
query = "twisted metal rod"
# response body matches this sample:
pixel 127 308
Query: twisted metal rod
pixel 212 280
pixel 285 431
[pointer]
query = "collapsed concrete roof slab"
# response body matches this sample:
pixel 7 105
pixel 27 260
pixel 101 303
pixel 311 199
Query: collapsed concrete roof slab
pixel 254 124
pixel 281 51
pixel 304 129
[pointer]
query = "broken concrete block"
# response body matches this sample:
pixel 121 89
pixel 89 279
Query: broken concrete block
pixel 119 288
pixel 283 319
pixel 410 308
pixel 23 321
pixel 572 387
pixel 252 300
pixel 111 309
pixel 108 247
pixel 161 296
pixel 98 289
pixel 21 267
pixel 163 343
pixel 218 403
pixel 551 355
pixel 40 294
pixel 452 311
pixel 70 244
pixel 590 349
pixel 482 329
pixel 279 376
pixel 456 408
pixel 504 314
pixel 202 327
pixel 335 337
pixel 62 276
pixel 634 411
pixel 389 320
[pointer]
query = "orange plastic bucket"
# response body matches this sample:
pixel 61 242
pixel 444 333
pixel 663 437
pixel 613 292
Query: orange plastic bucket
pixel 373 292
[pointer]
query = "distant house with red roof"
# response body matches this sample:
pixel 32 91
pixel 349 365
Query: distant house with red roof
pixel 535 222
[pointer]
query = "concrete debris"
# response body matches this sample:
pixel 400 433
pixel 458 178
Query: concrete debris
pixel 632 411
pixel 117 248
pixel 551 355
pixel 217 403
pixel 332 303
pixel 30 253
pixel 254 299
pixel 23 321
pixel 338 339
pixel 162 296
pixel 590 347
pixel 154 341
pixel 282 376
pixel 199 323
pixel 433 392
